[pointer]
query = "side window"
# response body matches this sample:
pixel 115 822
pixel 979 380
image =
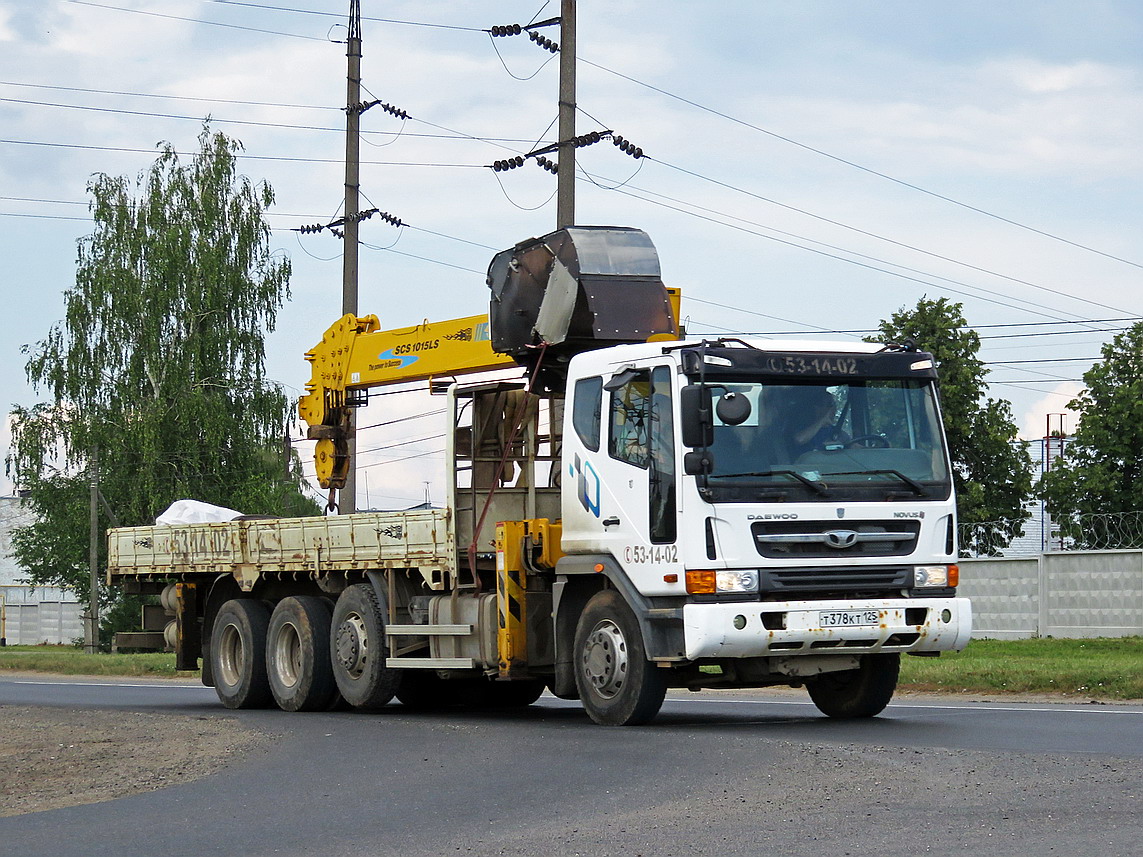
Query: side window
pixel 628 439
pixel 587 403
pixel 662 493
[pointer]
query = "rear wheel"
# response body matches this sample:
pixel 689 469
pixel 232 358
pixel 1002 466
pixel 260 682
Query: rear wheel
pixel 616 682
pixel 297 654
pixel 238 654
pixel 359 649
pixel 863 692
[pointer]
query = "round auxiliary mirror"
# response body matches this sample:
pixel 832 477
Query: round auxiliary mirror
pixel 733 409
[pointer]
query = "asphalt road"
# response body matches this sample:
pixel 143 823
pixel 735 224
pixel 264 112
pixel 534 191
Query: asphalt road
pixel 718 774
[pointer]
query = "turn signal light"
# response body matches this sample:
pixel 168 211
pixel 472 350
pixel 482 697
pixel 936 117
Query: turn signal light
pixel 702 582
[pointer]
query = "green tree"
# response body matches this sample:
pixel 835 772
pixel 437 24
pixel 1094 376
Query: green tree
pixel 158 364
pixel 1101 471
pixel 991 471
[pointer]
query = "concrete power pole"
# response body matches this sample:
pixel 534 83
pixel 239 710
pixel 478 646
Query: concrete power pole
pixel 91 629
pixel 349 271
pixel 565 178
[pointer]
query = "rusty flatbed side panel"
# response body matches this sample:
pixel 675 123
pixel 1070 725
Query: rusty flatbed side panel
pixel 368 540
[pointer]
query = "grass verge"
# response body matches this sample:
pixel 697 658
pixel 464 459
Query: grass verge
pixel 68 660
pixel 1107 669
pixel 1104 668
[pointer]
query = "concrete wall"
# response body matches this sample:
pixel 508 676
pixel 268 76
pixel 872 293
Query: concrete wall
pixel 1062 594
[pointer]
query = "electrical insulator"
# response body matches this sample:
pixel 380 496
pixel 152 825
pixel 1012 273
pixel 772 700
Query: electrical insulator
pixel 510 164
pixel 395 111
pixel 543 41
pixel 548 165
pixel 307 230
pixel 627 147
pixel 508 30
pixel 390 219
pixel 587 139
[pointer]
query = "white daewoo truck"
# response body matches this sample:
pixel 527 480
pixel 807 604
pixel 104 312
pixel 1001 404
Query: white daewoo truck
pixel 640 511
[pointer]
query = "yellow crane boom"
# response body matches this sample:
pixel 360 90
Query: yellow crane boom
pixel 576 289
pixel 355 354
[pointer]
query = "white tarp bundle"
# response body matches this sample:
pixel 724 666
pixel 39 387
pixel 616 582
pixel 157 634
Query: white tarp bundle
pixel 195 512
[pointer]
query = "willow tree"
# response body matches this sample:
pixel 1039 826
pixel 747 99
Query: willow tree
pixel 156 373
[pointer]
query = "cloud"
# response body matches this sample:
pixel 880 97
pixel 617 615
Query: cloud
pixel 1050 412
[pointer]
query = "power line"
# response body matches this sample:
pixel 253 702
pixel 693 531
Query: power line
pixel 130 94
pixel 1047 360
pixel 1052 333
pixel 249 122
pixel 878 237
pixel 197 21
pixel 337 15
pixel 844 259
pixel 277 158
pixel 857 166
pixel 682 202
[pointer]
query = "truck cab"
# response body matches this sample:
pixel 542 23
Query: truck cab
pixel 769 510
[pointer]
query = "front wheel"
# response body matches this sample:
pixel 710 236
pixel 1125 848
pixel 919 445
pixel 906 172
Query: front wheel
pixel 863 692
pixel 617 684
pixel 359 648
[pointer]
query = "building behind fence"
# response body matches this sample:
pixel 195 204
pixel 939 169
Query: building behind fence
pixel 31 614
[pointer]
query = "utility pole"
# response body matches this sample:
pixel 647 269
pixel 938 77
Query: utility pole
pixel 349 269
pixel 91 629
pixel 565 178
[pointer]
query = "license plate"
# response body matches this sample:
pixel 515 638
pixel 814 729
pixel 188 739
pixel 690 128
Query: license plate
pixel 848 618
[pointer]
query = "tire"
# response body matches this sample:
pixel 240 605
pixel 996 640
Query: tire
pixel 486 693
pixel 424 690
pixel 617 684
pixel 297 654
pixel 359 649
pixel 238 654
pixel 863 692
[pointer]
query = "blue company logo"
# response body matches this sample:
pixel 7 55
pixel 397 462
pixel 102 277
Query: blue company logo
pixel 402 360
pixel 587 484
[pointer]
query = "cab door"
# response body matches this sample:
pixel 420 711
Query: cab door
pixel 641 453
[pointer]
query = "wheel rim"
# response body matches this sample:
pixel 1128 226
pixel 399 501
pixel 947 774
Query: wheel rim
pixel 231 656
pixel 353 645
pixel 287 648
pixel 605 659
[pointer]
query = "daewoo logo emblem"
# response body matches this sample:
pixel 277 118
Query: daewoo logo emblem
pixel 840 538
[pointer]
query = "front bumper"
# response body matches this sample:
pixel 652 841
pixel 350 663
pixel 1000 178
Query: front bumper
pixel 796 627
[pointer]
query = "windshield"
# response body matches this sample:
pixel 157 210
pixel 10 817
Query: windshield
pixel 864 439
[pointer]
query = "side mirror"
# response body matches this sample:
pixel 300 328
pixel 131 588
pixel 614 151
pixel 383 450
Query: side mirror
pixel 698 463
pixel 697 415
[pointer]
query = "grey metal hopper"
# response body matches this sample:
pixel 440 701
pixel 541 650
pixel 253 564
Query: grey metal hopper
pixel 577 289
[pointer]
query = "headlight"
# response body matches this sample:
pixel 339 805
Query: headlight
pixel 738 581
pixel 933 576
pixel 709 582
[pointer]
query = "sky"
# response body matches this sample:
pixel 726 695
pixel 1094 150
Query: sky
pixel 811 167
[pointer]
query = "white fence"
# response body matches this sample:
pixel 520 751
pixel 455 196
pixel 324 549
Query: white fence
pixel 1063 594
pixel 40 615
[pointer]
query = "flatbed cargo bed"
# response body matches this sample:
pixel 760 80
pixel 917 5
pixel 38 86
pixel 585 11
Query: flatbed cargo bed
pixel 249 548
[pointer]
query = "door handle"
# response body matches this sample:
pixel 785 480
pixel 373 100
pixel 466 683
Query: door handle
pixel 611 522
